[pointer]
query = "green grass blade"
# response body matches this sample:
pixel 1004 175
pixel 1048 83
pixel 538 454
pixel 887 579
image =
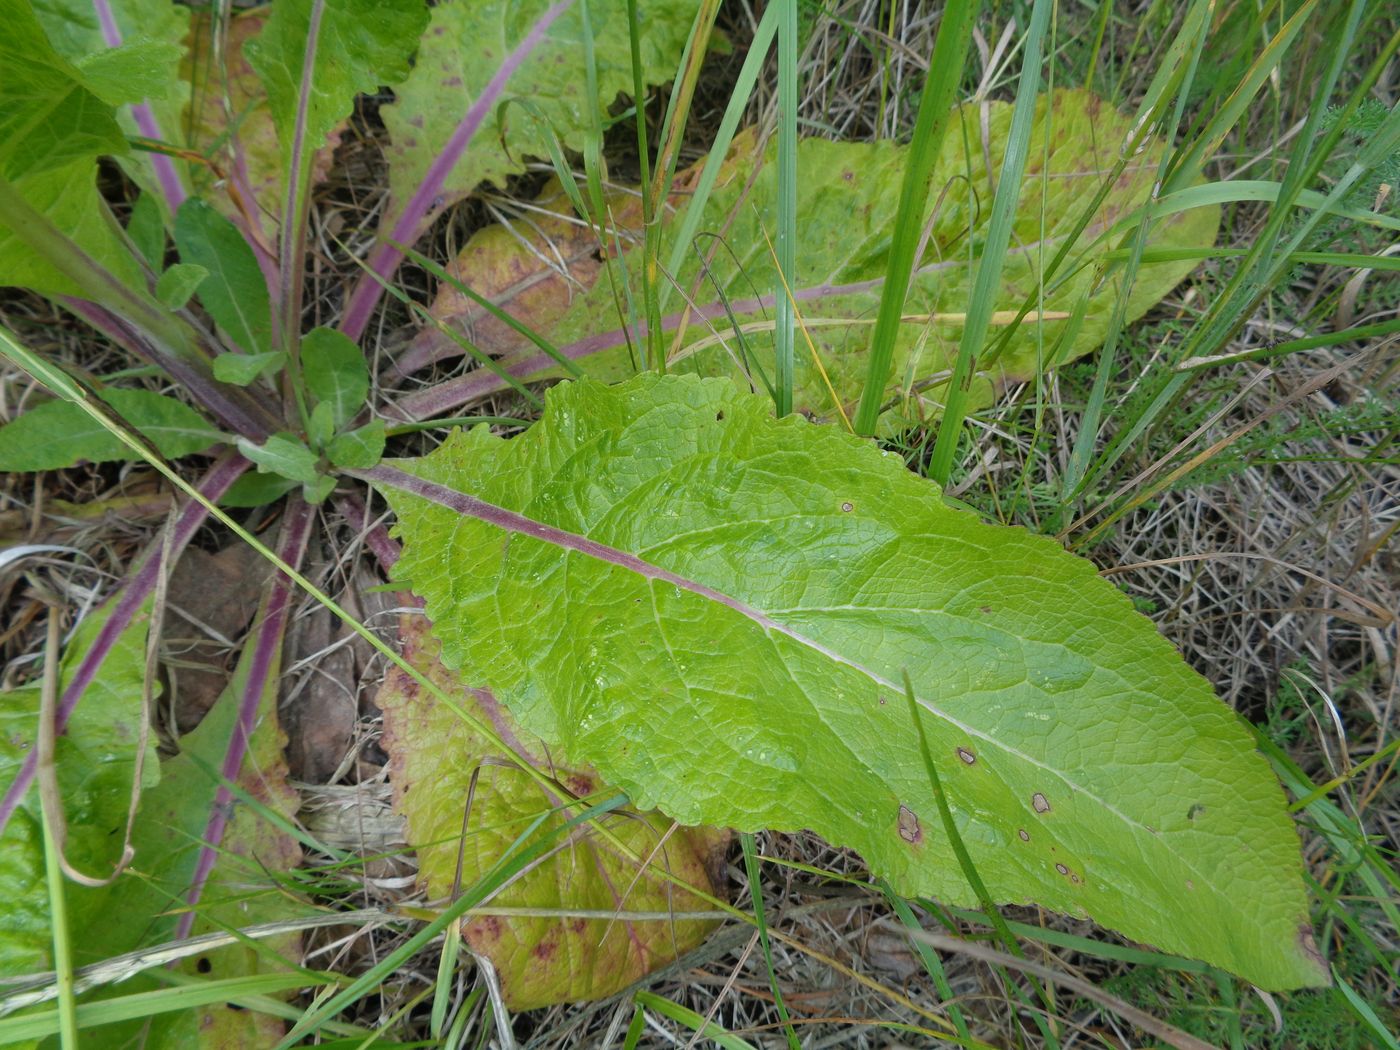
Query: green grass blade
pixel 935 105
pixel 933 965
pixel 969 870
pixel 692 1020
pixel 756 896
pixel 989 267
pixel 1228 117
pixel 1366 1013
pixel 53 867
pixel 785 332
pixel 719 146
pixel 147 1004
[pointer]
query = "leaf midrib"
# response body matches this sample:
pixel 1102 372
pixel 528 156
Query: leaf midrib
pixel 512 521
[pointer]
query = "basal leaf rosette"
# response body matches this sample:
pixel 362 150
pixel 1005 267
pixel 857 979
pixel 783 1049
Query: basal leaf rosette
pixel 592 946
pixel 716 609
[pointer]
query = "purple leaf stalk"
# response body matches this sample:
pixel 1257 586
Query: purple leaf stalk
pixel 145 117
pixel 385 258
pixel 263 657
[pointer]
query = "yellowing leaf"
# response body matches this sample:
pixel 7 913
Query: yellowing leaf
pixel 540 960
pixel 848 196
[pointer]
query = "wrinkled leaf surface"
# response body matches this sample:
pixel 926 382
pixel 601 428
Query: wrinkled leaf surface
pixel 717 610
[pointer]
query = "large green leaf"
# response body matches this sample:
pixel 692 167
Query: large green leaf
pixel 540 960
pixel 48 116
pixel 361 45
pixel 717 610
pixel 52 127
pixel 848 197
pixel 60 433
pixel 241 890
pixel 143 69
pixel 465 46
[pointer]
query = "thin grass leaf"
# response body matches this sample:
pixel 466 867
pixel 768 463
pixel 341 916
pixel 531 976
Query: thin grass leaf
pixel 680 1014
pixel 53 871
pixel 785 332
pixel 166 1000
pixel 739 100
pixel 945 74
pixel 751 869
pixel 998 237
pixel 932 964
pixel 495 311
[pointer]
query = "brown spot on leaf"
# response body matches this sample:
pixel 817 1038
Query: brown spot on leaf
pixel 1195 811
pixel 1040 803
pixel 1025 835
pixel 1062 869
pixel 967 756
pixel 488 926
pixel 985 609
pixel 848 507
pixel 909 829
pixel 1309 945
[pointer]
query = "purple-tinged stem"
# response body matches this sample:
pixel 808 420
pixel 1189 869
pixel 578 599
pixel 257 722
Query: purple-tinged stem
pixel 264 656
pixel 128 601
pixel 145 117
pixel 232 407
pixel 384 548
pixel 385 258
pixel 454 393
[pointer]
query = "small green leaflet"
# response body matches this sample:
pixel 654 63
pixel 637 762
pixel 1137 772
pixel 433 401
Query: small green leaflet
pixel 243 369
pixel 178 283
pixel 235 293
pixel 60 434
pixel 336 373
pixel 283 454
pixel 147 231
pixel 716 610
pixel 358 448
